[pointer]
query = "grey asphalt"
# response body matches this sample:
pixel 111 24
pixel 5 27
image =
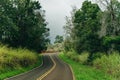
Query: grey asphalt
pixel 34 74
pixel 61 72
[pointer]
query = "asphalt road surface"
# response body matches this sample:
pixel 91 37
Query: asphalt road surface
pixel 34 74
pixel 61 70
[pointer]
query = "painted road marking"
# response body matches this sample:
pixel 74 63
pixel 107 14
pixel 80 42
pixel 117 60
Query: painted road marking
pixel 45 74
pixel 25 72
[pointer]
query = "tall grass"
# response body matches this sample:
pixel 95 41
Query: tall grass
pixel 110 64
pixel 82 58
pixel 13 59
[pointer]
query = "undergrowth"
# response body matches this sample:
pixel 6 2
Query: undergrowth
pixel 15 61
pixel 84 72
pixel 109 64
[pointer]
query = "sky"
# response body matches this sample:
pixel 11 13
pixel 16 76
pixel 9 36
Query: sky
pixel 56 11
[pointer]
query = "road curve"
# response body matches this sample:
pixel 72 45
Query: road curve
pixel 35 73
pixel 62 71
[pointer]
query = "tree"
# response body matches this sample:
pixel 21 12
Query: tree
pixel 111 23
pixel 111 17
pixel 69 28
pixel 58 39
pixel 84 32
pixel 86 28
pixel 23 24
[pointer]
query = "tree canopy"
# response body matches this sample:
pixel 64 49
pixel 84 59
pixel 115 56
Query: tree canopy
pixel 58 39
pixel 86 27
pixel 92 29
pixel 22 24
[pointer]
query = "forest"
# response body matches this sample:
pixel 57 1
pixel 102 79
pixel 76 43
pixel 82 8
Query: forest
pixel 22 24
pixel 93 36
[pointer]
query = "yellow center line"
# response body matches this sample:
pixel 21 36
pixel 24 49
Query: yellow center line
pixel 49 71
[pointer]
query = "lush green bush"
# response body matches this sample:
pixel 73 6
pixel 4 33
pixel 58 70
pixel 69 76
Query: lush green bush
pixel 82 58
pixel 111 42
pixel 11 59
pixel 110 64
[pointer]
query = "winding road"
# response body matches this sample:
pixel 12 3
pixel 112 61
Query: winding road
pixel 52 69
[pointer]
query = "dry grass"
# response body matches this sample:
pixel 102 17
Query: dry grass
pixel 11 59
pixel 78 58
pixel 110 64
pixel 107 64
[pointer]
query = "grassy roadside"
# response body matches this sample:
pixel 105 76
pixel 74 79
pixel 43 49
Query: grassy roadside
pixel 16 61
pixel 19 71
pixel 83 72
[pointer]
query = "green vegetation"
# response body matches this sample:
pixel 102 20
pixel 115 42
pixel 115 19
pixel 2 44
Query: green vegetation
pixel 55 47
pixel 23 30
pixel 109 64
pixel 15 61
pixel 83 34
pixel 58 39
pixel 92 29
pixel 22 24
pixel 83 72
pixel 58 44
pixel 22 27
pixel 78 58
pixel 106 64
pixel 93 36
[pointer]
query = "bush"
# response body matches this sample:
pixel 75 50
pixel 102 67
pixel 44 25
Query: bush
pixel 81 58
pixel 11 59
pixel 110 64
pixel 93 56
pixel 111 42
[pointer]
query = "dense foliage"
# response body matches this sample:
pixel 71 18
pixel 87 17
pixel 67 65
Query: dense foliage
pixel 16 61
pixel 58 39
pixel 22 24
pixel 92 29
pixel 93 36
pixel 86 27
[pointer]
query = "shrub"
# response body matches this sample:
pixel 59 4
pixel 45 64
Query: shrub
pixel 81 58
pixel 11 59
pixel 110 64
pixel 112 42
